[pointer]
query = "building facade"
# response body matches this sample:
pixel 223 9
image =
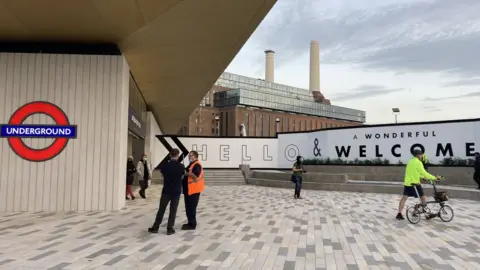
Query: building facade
pixel 264 108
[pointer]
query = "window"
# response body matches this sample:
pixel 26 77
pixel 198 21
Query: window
pixel 268 128
pixel 261 122
pixel 247 126
pixel 299 125
pixel 226 124
pixel 213 131
pixel 288 124
pixel 254 125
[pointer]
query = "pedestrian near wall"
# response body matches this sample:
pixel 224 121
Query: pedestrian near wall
pixel 144 173
pixel 131 170
pixel 173 173
pixel 193 185
pixel 298 171
pixel 476 174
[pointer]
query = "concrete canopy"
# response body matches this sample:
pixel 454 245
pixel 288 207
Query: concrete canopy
pixel 176 49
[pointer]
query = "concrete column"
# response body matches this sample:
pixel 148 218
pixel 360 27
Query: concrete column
pixel 269 65
pixel 314 66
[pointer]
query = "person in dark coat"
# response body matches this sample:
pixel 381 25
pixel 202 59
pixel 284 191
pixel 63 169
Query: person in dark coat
pixel 131 170
pixel 476 174
pixel 173 173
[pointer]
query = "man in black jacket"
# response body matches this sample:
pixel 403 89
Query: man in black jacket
pixel 173 173
pixel 476 174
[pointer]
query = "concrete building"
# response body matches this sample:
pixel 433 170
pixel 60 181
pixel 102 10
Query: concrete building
pixel 264 107
pixel 112 75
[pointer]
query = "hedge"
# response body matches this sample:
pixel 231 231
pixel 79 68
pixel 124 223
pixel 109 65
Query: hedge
pixel 446 162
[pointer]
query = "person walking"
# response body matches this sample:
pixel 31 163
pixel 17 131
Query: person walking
pixel 193 185
pixel 173 173
pixel 414 172
pixel 476 174
pixel 425 161
pixel 144 173
pixel 297 175
pixel 131 170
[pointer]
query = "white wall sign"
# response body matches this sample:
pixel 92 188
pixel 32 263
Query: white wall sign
pixel 224 152
pixel 393 142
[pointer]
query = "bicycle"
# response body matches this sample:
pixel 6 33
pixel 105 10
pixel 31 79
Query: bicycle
pixel 440 197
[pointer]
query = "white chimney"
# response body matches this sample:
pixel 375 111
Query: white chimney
pixel 269 65
pixel 314 66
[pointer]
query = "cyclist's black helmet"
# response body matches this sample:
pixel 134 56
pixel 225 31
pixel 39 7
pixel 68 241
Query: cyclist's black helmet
pixel 417 152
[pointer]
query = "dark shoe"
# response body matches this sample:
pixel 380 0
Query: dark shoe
pixel 142 194
pixel 126 198
pixel 170 231
pixel 153 229
pixel 133 198
pixel 399 216
pixel 299 198
pixel 188 227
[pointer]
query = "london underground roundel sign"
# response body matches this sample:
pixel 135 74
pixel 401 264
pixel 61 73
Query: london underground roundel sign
pixel 15 130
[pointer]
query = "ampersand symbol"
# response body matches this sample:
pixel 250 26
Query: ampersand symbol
pixel 316 150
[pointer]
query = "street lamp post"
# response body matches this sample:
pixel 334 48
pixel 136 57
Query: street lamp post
pixel 217 121
pixel 277 122
pixel 396 112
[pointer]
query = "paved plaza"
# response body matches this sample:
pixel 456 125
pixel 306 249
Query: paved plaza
pixel 246 227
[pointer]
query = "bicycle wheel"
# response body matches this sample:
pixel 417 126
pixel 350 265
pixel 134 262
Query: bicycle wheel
pixel 413 215
pixel 446 213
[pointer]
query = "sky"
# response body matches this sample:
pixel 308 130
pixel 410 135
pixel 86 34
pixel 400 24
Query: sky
pixel 421 56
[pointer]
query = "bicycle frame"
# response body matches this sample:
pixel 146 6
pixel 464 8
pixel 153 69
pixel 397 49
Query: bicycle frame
pixel 424 205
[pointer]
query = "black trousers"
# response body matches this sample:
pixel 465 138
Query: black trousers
pixel 191 203
pixel 476 177
pixel 164 200
pixel 143 186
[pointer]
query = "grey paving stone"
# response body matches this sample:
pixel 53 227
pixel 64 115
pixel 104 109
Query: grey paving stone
pixel 43 255
pixel 352 267
pixel 213 246
pixel 222 256
pixel 152 257
pixel 80 248
pixel 283 251
pixel 60 266
pixel 110 251
pixel 49 245
pixel 6 261
pixel 289 265
pixel 115 260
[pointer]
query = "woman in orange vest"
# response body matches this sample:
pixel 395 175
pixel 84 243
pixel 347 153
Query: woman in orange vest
pixel 193 185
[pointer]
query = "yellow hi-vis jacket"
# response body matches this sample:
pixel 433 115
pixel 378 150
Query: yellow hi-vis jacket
pixel 415 172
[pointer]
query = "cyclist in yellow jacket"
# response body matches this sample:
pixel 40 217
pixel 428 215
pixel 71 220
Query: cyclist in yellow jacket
pixel 414 172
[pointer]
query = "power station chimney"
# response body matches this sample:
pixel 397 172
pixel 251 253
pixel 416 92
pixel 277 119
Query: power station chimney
pixel 314 66
pixel 269 65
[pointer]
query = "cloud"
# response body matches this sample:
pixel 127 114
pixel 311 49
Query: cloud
pixel 431 109
pixel 468 95
pixel 365 91
pixel 466 82
pixel 401 35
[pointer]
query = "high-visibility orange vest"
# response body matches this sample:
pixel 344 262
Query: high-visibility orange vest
pixel 197 186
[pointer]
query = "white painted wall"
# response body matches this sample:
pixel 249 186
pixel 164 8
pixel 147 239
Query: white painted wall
pixel 217 152
pixel 90 173
pixel 152 144
pixel 367 142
